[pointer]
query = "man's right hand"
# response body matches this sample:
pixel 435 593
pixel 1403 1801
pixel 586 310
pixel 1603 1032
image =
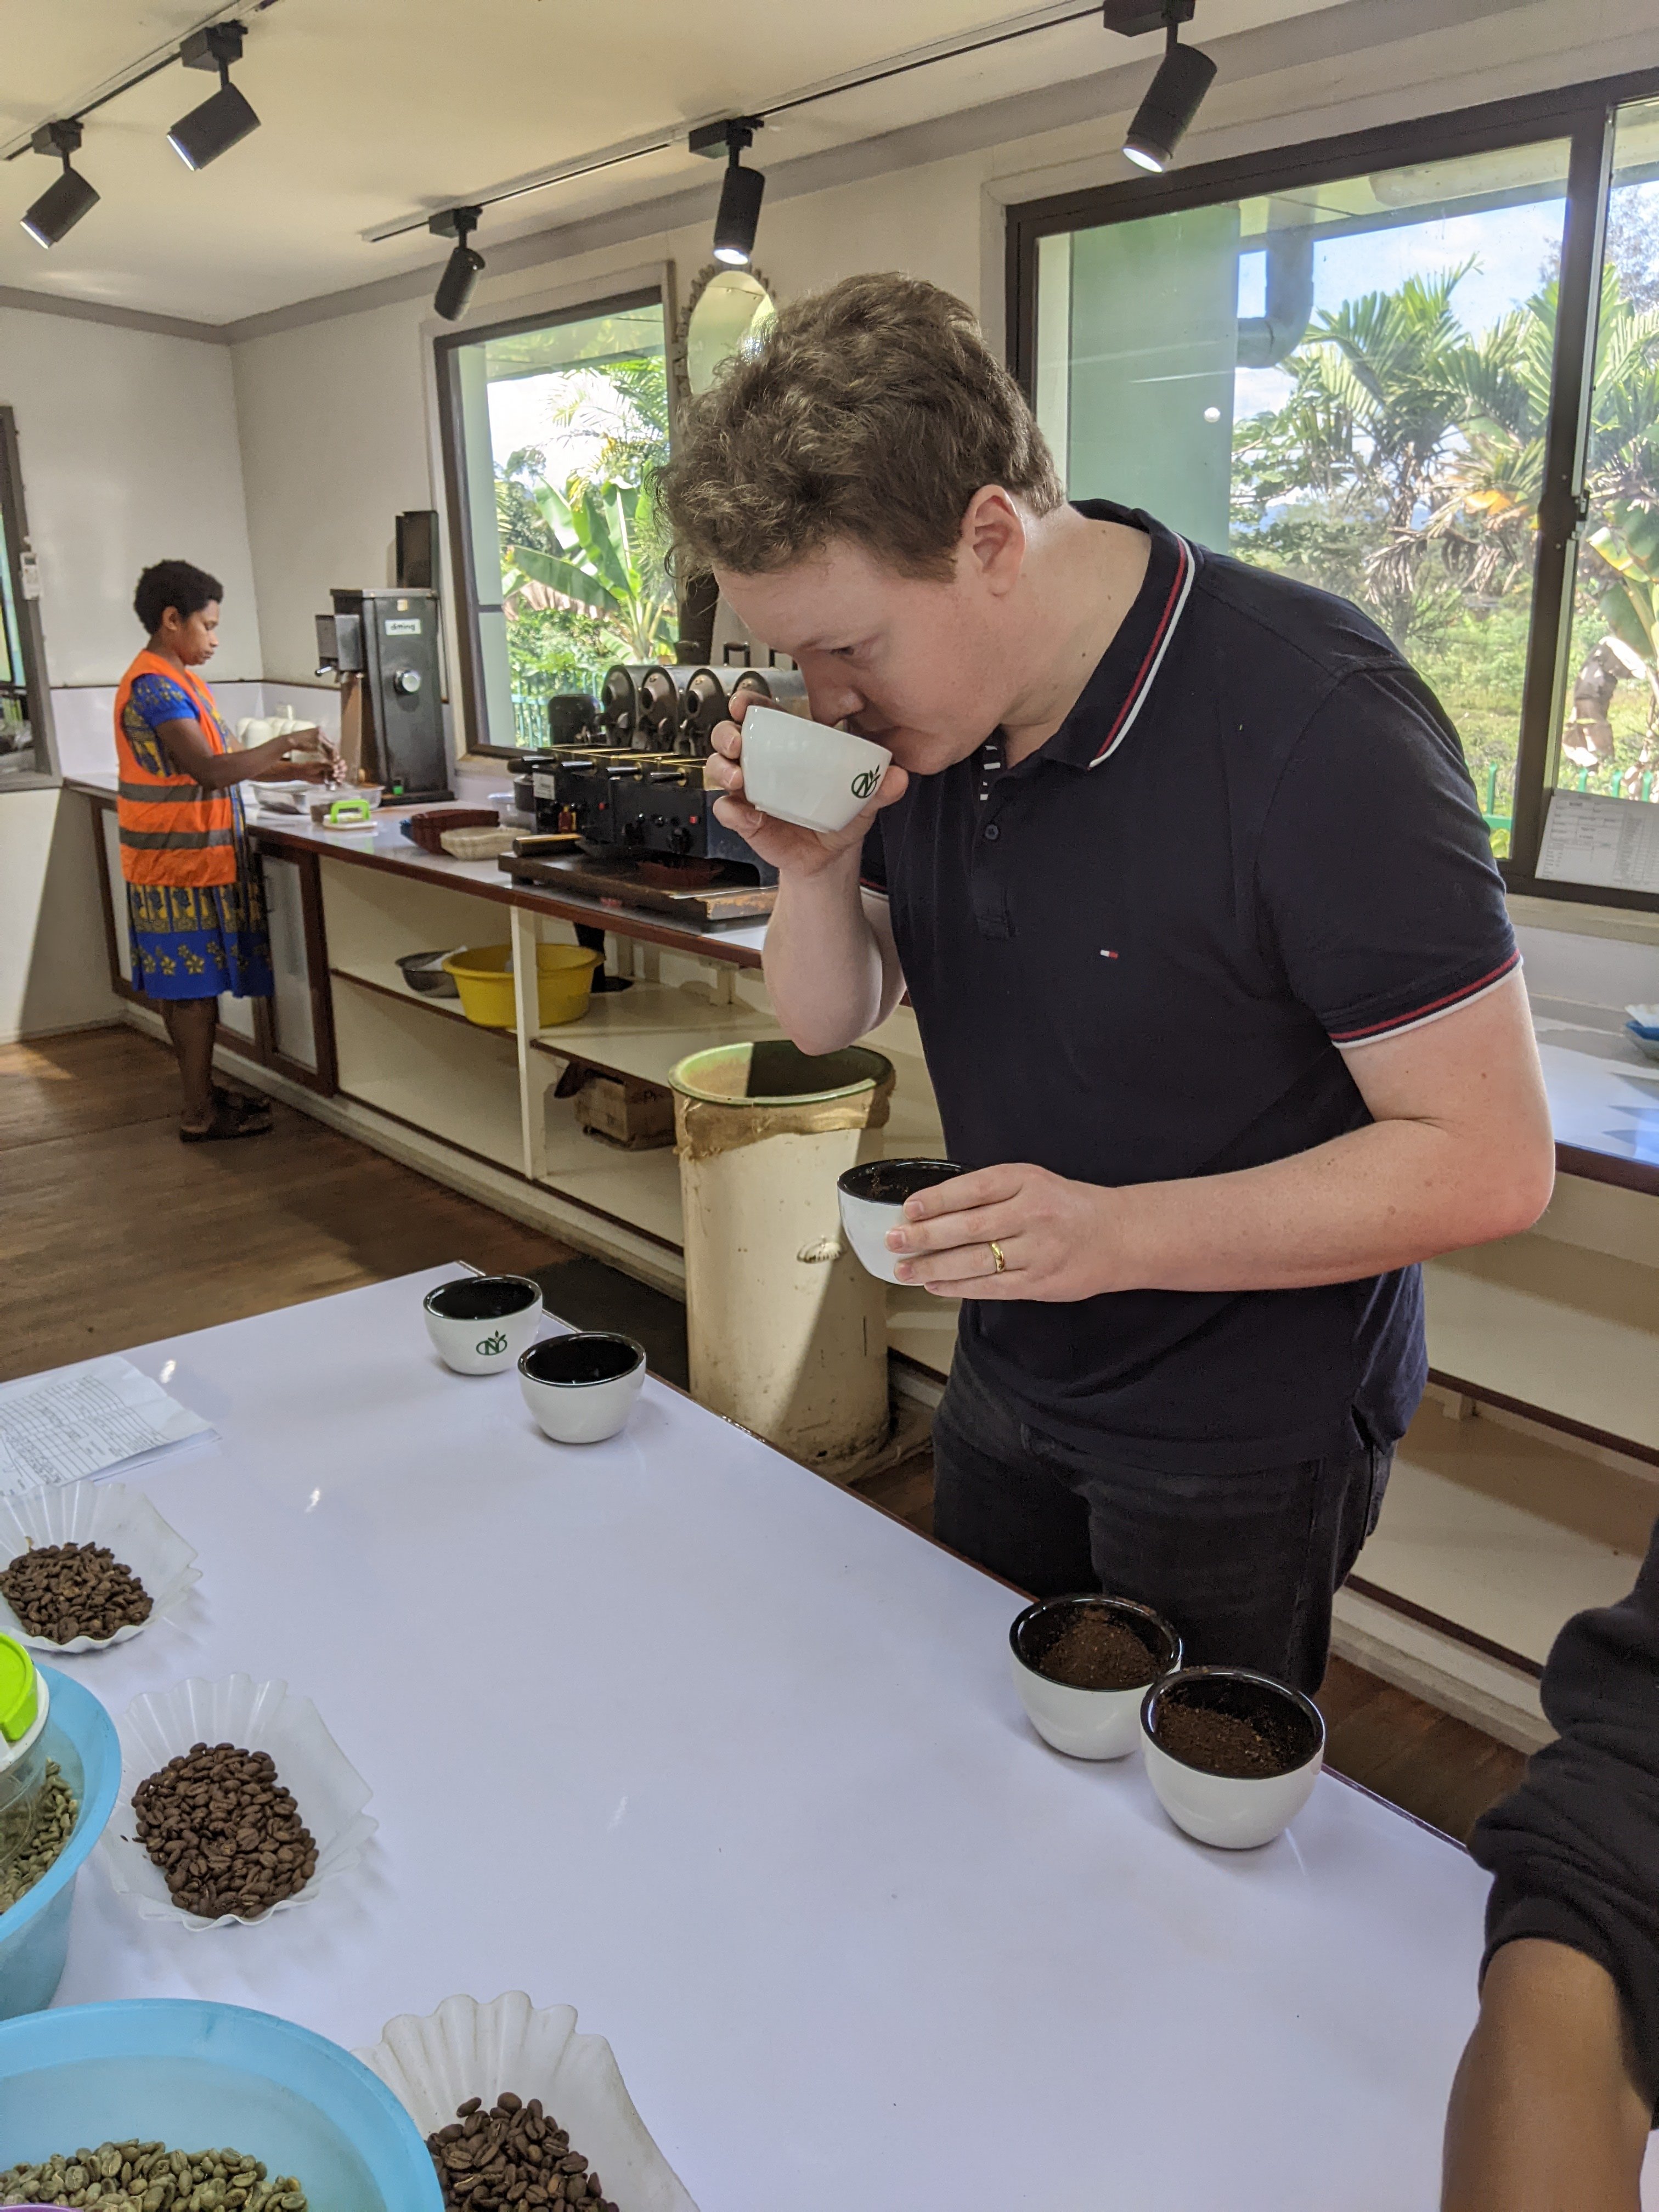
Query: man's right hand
pixel 790 850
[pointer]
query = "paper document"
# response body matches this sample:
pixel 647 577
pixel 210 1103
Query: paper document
pixel 84 1420
pixel 1611 841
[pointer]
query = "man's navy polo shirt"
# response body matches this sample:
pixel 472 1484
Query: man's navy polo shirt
pixel 1133 956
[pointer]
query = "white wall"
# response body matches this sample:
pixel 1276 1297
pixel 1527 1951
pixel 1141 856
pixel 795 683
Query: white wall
pixel 54 968
pixel 130 454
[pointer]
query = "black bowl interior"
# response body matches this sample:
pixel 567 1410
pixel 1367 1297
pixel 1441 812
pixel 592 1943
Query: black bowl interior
pixel 1036 1628
pixel 1291 1727
pixel 890 1182
pixel 591 1356
pixel 483 1298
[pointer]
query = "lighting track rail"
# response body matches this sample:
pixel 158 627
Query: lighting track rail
pixel 634 150
pixel 137 73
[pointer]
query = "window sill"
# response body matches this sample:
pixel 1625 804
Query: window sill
pixel 1584 917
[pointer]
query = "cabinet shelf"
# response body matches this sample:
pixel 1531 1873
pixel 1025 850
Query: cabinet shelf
pixel 450 1079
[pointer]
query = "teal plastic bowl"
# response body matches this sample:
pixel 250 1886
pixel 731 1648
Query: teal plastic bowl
pixel 194 2076
pixel 34 1935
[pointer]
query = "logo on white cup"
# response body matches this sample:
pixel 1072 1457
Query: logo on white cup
pixel 866 781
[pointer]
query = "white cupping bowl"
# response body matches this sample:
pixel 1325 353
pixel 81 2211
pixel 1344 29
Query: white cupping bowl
pixel 1086 1723
pixel 1232 1812
pixel 806 773
pixel 98 1513
pixel 256 1716
pixel 466 2050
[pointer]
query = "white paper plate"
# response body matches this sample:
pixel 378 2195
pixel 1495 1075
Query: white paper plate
pixel 257 1716
pixel 98 1513
pixel 466 2050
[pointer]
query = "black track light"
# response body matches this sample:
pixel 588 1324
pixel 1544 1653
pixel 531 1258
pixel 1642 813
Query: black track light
pixel 463 266
pixel 1173 98
pixel 739 218
pixel 62 205
pixel 225 117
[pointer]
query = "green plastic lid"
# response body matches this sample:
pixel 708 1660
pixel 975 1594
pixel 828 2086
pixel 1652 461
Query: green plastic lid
pixel 20 1690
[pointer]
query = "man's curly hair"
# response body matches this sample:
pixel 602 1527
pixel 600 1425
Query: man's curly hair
pixel 874 412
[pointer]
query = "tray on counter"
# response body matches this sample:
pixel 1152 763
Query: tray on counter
pixel 625 882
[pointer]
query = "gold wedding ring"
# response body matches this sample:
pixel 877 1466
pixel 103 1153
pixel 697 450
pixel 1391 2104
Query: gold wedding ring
pixel 999 1255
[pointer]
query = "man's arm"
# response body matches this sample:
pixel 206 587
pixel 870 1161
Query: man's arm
pixel 1460 1152
pixel 1545 2115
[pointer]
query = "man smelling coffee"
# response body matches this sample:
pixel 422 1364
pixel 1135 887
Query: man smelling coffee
pixel 1180 864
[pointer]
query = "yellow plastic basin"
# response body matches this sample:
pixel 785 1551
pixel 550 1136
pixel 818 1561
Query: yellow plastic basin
pixel 483 976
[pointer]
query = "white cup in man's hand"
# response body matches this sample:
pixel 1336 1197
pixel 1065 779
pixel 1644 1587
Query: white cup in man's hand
pixel 806 773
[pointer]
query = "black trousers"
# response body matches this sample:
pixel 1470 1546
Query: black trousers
pixel 1244 1565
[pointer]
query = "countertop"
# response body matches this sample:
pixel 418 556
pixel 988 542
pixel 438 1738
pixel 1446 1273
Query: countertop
pixel 386 847
pixel 1604 1095
pixel 670 1729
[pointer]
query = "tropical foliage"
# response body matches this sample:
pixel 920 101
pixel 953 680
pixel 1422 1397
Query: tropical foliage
pixel 1404 469
pixel 583 577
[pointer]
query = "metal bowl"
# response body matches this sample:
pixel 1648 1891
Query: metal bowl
pixel 422 973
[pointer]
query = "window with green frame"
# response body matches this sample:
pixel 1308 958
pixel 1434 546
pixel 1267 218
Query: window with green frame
pixel 1417 367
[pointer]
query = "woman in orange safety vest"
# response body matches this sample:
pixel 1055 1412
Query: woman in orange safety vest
pixel 195 904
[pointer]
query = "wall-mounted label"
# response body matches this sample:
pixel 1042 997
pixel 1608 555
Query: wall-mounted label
pixel 409 627
pixel 28 576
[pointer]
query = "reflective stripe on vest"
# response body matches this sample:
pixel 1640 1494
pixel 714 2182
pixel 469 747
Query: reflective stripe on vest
pixel 173 829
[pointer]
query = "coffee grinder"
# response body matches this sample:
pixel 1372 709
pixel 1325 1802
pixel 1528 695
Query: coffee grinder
pixel 382 644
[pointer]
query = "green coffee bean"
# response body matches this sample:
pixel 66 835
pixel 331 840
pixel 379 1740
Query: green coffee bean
pixel 54 1822
pixel 148 2176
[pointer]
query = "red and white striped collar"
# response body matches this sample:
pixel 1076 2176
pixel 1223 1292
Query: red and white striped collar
pixel 1111 700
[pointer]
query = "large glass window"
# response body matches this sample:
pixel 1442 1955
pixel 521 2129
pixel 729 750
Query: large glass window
pixel 1609 723
pixel 1373 377
pixel 552 427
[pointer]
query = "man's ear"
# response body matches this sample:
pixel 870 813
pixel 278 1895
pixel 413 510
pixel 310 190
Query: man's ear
pixel 993 542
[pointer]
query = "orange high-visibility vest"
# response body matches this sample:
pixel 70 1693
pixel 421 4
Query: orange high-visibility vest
pixel 173 829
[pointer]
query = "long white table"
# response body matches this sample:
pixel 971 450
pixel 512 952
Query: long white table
pixel 672 1730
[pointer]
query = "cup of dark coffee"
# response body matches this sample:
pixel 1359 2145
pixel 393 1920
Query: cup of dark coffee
pixel 480 1324
pixel 1232 1756
pixel 872 1196
pixel 581 1388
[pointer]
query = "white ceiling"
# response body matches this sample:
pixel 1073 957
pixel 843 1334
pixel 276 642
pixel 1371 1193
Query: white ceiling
pixel 376 110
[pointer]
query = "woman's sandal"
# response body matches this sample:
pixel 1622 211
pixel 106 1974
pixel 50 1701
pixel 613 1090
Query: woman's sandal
pixel 225 1123
pixel 246 1105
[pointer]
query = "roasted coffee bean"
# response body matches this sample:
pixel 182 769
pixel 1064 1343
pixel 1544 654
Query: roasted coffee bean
pixel 60 1591
pixel 226 1836
pixel 148 2176
pixel 55 1812
pixel 511 2155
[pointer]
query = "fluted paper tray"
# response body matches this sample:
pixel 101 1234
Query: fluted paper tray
pixel 107 1513
pixel 467 2049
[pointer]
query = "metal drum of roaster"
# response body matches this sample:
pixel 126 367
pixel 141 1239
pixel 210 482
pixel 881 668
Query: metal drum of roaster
pixel 703 706
pixel 783 687
pixel 572 718
pixel 659 709
pixel 619 705
pixel 787 1333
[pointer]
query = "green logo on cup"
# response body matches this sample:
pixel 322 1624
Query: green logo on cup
pixel 866 781
pixel 491 1346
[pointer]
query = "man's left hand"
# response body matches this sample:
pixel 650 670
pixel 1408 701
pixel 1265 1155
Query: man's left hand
pixel 1060 1241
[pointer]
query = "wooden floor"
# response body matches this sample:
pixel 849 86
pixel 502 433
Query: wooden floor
pixel 113 1233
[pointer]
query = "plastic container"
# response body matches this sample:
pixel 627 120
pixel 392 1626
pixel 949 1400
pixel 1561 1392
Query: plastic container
pixel 25 1705
pixel 483 975
pixel 107 1513
pixel 466 2050
pixel 194 2074
pixel 80 1736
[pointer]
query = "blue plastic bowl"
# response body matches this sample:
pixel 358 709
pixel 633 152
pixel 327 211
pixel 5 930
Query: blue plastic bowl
pixel 194 2074
pixel 34 1935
